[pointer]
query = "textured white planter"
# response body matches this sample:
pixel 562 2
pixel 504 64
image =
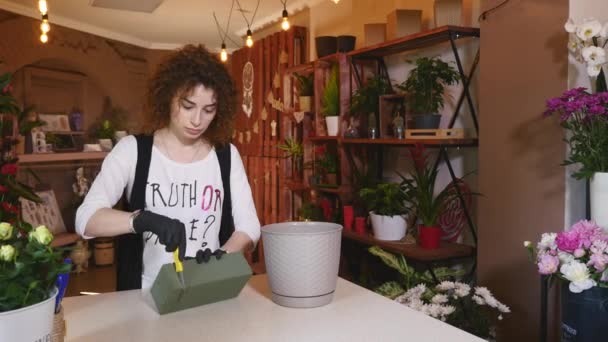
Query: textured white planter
pixel 302 260
pixel 389 228
pixel 332 125
pixel 305 103
pixel 598 193
pixel 32 323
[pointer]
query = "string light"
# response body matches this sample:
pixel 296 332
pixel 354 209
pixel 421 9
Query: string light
pixel 43 7
pixel 285 23
pixel 223 54
pixel 45 27
pixel 249 41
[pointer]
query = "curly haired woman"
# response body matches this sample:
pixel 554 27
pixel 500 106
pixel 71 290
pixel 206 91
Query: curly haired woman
pixel 175 179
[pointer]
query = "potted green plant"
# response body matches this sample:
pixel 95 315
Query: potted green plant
pixel 331 102
pixel 306 83
pixel 105 134
pixel 365 101
pixel 425 86
pixel 327 163
pixel 29 266
pixel 387 205
pixel 25 120
pixel 420 191
pixel 295 151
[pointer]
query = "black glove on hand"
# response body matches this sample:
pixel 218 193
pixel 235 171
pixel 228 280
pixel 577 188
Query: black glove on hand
pixel 171 232
pixel 203 256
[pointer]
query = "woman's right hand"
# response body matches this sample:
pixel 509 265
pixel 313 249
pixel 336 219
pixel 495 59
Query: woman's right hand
pixel 171 232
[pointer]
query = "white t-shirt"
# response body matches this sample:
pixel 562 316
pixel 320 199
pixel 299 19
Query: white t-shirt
pixel 191 193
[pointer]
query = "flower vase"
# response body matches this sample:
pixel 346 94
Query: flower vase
pixel 429 237
pixel 598 194
pixel 31 323
pixel 584 314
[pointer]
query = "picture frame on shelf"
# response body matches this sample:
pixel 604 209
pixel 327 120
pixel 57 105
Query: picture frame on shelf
pixel 46 213
pixel 55 122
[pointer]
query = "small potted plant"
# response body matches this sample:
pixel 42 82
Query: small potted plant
pixel 420 191
pixel 26 119
pixel 388 209
pixel 306 91
pixel 327 163
pixel 331 102
pixel 365 101
pixel 295 151
pixel 425 86
pixel 105 134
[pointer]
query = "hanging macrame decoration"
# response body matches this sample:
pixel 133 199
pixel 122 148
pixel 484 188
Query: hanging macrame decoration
pixel 248 89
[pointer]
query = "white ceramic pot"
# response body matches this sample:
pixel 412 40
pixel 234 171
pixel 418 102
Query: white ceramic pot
pixel 305 103
pixel 32 323
pixel 389 228
pixel 106 144
pixel 332 125
pixel 302 260
pixel 598 194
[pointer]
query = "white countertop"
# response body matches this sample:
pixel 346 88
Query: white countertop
pixel 355 314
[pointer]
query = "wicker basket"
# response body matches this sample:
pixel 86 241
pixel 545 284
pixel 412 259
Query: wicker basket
pixel 59 328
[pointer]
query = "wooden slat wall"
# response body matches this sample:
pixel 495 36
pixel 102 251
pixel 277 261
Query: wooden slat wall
pixel 266 169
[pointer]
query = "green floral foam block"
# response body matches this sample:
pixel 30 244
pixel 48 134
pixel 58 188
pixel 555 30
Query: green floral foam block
pixel 207 283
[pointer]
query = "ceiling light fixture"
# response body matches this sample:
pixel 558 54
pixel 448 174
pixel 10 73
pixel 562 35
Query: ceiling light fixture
pixel 249 39
pixel 224 34
pixel 285 22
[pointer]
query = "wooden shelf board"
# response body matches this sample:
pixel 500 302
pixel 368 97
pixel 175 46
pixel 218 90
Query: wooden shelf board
pixel 411 142
pixel 322 139
pixel 296 186
pixel 414 251
pixel 414 41
pixel 300 68
pixel 330 190
pixel 60 157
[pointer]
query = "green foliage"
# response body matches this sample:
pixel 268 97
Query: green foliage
pixel 588 144
pixel 9 105
pixel 311 212
pixel 306 84
pixel 385 199
pixel 408 277
pixel 331 94
pixel 366 98
pixel 29 277
pixel 105 130
pixel 293 150
pixel 425 84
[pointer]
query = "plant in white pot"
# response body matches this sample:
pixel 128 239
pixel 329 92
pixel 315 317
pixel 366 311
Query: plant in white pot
pixel 425 87
pixel 306 83
pixel 331 102
pixel 28 265
pixel 388 209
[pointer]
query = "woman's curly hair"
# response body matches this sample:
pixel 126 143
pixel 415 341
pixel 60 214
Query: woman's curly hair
pixel 178 74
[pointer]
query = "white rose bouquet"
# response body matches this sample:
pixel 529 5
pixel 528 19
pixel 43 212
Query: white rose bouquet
pixel 587 42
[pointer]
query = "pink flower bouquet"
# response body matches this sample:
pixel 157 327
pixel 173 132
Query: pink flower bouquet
pixel 578 255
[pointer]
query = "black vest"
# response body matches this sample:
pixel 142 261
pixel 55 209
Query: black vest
pixel 130 247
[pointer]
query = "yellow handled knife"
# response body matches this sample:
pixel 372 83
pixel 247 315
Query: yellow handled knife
pixel 179 268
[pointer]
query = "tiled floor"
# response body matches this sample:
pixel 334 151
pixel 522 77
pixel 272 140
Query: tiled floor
pixel 97 279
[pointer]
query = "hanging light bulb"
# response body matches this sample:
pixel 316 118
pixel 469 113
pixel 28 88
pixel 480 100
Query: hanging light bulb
pixel 249 40
pixel 44 38
pixel 44 26
pixel 285 23
pixel 336 1
pixel 42 6
pixel 223 53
